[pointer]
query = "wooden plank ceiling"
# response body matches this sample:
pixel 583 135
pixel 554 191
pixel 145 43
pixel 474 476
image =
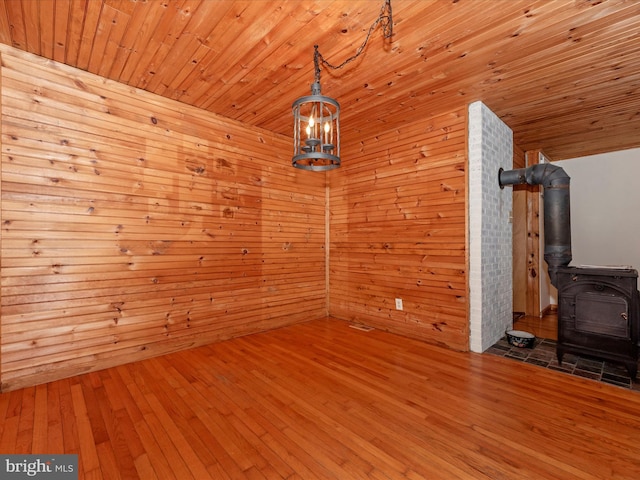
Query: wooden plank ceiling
pixel 563 74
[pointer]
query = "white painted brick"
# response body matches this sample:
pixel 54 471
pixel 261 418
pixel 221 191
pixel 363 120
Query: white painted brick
pixel 490 258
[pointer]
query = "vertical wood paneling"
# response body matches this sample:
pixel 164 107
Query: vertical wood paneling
pixel 1 222
pixel 60 30
pixel 520 234
pixel 75 24
pixel 398 230
pixel 532 157
pixel 133 225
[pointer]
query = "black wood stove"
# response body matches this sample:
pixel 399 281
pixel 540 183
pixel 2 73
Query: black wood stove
pixel 598 307
pixel 599 314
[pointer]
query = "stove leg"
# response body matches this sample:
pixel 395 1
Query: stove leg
pixel 559 354
pixel 632 368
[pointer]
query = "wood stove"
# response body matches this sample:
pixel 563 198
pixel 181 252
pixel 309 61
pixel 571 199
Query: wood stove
pixel 599 314
pixel 598 307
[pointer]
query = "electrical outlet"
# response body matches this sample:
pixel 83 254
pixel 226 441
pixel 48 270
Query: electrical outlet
pixel 398 304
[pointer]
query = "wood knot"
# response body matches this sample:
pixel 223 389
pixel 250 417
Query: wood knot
pixel 438 325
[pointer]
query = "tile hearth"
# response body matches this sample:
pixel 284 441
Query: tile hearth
pixel 543 354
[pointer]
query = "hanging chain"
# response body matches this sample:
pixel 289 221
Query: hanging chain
pixel 385 19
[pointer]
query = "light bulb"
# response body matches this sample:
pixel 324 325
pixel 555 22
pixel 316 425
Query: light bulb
pixel 312 122
pixel 327 127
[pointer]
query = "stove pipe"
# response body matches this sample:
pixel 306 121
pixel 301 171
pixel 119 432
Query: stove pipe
pixel 557 215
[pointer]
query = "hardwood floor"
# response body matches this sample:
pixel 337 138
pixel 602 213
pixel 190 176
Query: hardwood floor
pixel 321 400
pixel 542 327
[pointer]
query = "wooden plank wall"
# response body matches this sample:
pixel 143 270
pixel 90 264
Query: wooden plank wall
pixel 133 225
pixel 398 230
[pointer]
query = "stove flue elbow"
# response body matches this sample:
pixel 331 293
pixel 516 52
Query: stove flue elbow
pixel 557 214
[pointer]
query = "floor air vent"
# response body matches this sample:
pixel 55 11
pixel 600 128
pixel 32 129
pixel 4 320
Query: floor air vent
pixel 363 328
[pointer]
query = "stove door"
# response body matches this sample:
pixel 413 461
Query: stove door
pixel 602 313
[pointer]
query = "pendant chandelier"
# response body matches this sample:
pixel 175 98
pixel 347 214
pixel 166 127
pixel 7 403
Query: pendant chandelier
pixel 316 130
pixel 316 124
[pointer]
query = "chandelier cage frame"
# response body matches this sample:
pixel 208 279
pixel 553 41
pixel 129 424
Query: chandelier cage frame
pixel 316 124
